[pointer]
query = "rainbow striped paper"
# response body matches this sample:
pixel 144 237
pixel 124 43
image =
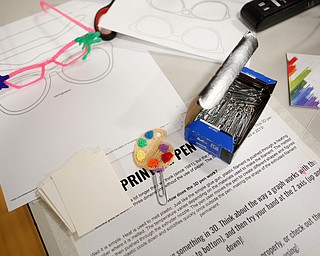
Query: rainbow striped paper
pixel 304 80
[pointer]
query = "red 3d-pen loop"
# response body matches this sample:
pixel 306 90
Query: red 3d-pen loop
pixel 106 34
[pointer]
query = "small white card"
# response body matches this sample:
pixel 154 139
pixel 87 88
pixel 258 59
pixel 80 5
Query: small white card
pixel 85 192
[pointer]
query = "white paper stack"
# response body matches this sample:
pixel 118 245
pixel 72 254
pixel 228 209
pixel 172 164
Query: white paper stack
pixel 85 192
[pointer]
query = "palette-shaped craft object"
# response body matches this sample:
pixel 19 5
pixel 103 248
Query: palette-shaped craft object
pixel 152 153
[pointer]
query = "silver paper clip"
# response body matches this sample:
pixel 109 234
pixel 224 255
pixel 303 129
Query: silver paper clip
pixel 159 186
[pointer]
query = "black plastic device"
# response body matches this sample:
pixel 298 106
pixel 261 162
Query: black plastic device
pixel 262 14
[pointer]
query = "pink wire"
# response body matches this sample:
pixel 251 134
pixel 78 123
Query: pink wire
pixel 53 59
pixel 43 3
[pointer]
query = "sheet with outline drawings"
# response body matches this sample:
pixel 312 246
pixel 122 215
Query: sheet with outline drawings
pixel 103 102
pixel 205 28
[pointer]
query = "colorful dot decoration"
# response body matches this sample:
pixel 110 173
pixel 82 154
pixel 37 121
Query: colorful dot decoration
pixel 163 148
pixel 149 135
pixel 153 163
pixel 142 143
pixel 151 153
pixel 141 155
pixel 166 157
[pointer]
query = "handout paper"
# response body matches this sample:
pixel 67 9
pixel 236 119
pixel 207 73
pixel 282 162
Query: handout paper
pixel 266 202
pixel 208 29
pixel 304 80
pixel 104 101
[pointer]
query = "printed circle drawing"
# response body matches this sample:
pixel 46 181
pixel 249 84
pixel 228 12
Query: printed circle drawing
pixel 17 102
pixel 211 10
pixel 200 38
pixel 21 101
pixel 82 74
pixel 205 39
pixel 160 28
pixel 202 10
pixel 173 6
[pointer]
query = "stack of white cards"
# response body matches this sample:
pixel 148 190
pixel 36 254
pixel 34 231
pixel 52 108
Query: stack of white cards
pixel 85 192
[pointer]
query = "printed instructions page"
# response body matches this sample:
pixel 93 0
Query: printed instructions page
pixel 265 203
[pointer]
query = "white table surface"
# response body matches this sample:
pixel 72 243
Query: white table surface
pixel 300 34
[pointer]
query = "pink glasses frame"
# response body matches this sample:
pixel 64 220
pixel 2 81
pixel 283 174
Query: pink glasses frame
pixel 54 58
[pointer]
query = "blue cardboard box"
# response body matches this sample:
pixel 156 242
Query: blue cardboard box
pixel 204 128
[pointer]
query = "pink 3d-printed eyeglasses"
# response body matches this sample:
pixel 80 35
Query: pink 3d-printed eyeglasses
pixel 86 41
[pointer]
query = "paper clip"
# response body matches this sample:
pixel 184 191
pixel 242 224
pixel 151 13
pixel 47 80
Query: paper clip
pixel 160 186
pixel 151 153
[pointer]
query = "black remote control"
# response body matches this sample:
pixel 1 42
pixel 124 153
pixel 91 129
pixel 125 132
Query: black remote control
pixel 262 14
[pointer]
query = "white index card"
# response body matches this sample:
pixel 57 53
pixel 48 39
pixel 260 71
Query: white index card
pixel 91 195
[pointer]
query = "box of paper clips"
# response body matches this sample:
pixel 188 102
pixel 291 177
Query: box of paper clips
pixel 221 117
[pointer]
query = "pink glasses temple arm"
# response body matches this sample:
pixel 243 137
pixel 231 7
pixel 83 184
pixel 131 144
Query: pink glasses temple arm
pixel 43 4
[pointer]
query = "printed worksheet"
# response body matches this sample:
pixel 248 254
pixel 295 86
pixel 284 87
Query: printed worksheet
pixel 266 202
pixel 205 28
pixel 51 110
